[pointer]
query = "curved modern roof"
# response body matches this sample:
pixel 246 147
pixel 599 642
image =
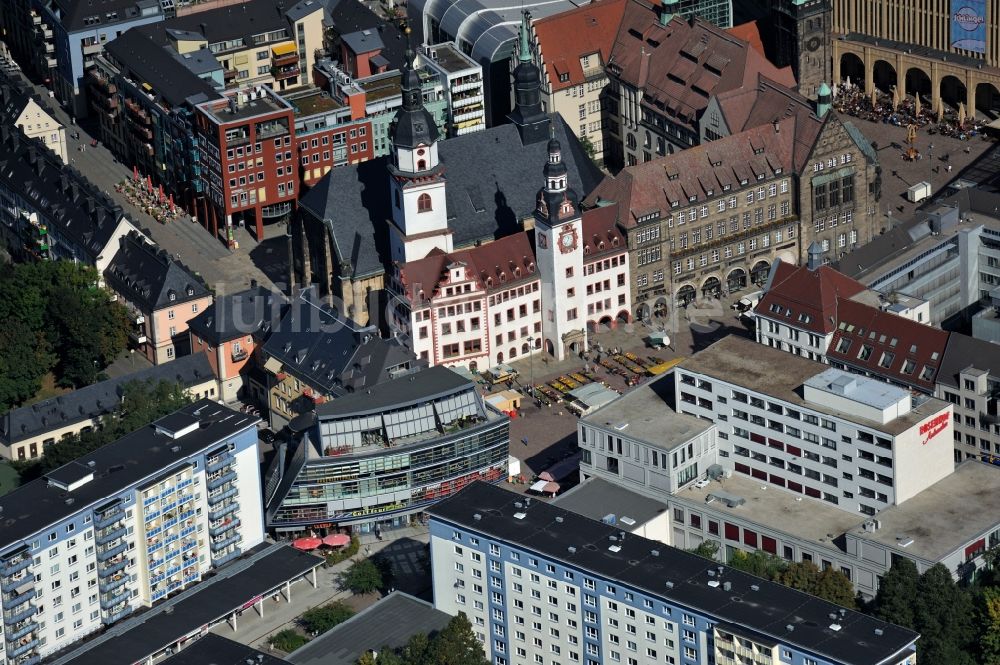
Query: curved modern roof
pixel 490 26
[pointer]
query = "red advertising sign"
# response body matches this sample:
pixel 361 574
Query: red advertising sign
pixel 934 426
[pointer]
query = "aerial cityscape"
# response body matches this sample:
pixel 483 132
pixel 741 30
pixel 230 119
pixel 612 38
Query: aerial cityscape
pixel 462 332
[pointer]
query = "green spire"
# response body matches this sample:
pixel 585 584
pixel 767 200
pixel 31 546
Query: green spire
pixel 525 49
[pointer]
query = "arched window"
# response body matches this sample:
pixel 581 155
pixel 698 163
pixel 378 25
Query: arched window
pixel 630 141
pixel 424 203
pixel 421 164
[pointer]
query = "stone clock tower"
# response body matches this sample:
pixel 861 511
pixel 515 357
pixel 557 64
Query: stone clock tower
pixel 559 254
pixel 802 41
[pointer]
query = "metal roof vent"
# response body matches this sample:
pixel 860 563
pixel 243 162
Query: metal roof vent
pixel 835 627
pixel 727 586
pixel 477 517
pixel 571 549
pixel 879 632
pixel 615 548
pixel 789 627
pixel 655 552
pixel 714 584
pixel 520 516
pixel 754 587
pixel 559 519
pixel 175 449
pixel 670 585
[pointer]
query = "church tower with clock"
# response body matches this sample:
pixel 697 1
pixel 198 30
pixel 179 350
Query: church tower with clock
pixel 559 255
pixel 419 221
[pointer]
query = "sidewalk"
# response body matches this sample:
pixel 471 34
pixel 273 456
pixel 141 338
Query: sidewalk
pixel 254 630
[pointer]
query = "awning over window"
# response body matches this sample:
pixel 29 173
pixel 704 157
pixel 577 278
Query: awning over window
pixel 283 49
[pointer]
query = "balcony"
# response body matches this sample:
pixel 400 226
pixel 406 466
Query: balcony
pixel 19 616
pixel 282 73
pixel 113 583
pixel 112 553
pixel 12 583
pixel 109 600
pixel 117 616
pixel 51 62
pixel 137 335
pixel 14 566
pixel 225 542
pixel 112 567
pixel 221 480
pixel 239 354
pixel 110 534
pixel 22 648
pixel 213 464
pixel 285 59
pixel 219 529
pixel 92 49
pixel 19 631
pixel 222 494
pixel 12 600
pixel 226 558
pixel 230 74
pixel 223 511
pixel 108 518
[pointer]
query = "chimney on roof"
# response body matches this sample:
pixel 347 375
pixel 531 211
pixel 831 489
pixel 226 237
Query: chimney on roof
pixel 202 27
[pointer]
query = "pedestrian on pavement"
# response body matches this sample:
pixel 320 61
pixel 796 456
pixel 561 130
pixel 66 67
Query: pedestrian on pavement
pixel 524 440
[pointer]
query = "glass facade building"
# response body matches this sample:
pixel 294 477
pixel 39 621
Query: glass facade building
pixel 380 458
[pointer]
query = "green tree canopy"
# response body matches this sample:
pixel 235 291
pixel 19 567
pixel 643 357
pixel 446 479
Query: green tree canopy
pixel 362 577
pixel 897 593
pixel 989 612
pixel 56 318
pixel 455 644
pixel 321 619
pixel 708 549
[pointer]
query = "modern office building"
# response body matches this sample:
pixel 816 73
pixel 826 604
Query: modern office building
pixel 49 210
pixel 26 431
pixel 538 581
pixel 376 459
pixel 854 441
pixel 125 526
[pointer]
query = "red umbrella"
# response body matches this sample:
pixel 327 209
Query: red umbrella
pixel 149 183
pixel 135 173
pixel 306 544
pixel 161 193
pixel 337 540
pixel 171 203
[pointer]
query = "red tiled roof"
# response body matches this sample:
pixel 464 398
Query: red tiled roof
pixel 887 345
pixel 807 299
pixel 767 101
pixel 601 234
pixel 681 65
pixel 504 261
pixel 750 33
pixel 566 37
pixel 703 172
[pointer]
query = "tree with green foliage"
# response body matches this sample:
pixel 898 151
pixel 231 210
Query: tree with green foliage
pixel 56 319
pixel 142 403
pixel 318 620
pixel 897 594
pixel 759 563
pixel 362 577
pixel 287 640
pixel 455 644
pixel 834 586
pixel 944 616
pixel 989 629
pixel 588 147
pixel 708 549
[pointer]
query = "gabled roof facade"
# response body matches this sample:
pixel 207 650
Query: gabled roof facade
pixel 807 299
pixel 146 275
pixel 565 38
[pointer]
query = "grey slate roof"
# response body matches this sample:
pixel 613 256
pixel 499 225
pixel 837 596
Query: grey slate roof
pixel 96 400
pixel 80 213
pixel 345 17
pixel 596 498
pixel 146 60
pixel 331 353
pixel 646 566
pixel 304 8
pixel 419 386
pixel 252 312
pixel 73 13
pixel 146 275
pixel 116 467
pixel 492 181
pixel 363 41
pixel 229 22
pixel 217 650
pixel 963 351
pixel 388 623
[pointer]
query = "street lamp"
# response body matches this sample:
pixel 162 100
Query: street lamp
pixel 531 365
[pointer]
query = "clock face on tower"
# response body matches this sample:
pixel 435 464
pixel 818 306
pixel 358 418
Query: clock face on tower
pixel 567 240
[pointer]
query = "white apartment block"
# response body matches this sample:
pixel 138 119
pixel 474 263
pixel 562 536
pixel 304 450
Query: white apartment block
pixel 463 78
pixel 546 586
pixel 126 526
pixel 852 441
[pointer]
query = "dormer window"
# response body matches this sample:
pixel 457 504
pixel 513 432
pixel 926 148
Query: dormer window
pixel 172 296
